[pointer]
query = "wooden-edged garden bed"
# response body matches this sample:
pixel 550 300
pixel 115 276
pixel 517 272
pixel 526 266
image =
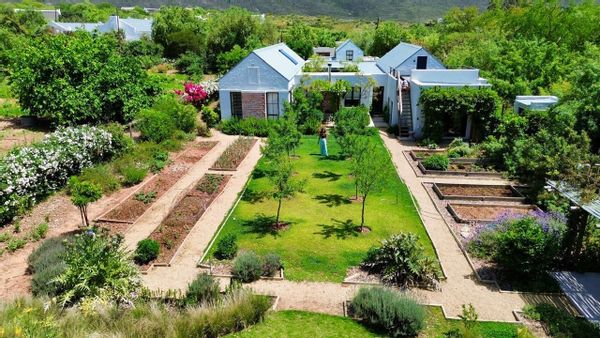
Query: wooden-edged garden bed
pixel 460 169
pixel 131 209
pixel 233 156
pixel 173 230
pixel 477 192
pixel 224 269
pixel 478 213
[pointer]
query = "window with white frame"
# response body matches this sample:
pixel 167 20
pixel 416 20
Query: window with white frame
pixel 349 55
pixel 272 105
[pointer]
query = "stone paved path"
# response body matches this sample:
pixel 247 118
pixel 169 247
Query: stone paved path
pixel 183 268
pixel 461 286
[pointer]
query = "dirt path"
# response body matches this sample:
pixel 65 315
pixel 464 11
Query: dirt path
pixel 63 218
pixel 183 268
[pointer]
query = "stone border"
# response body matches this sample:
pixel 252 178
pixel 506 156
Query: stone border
pixel 457 173
pixel 280 277
pixel 492 282
pixel 459 219
pixel 517 198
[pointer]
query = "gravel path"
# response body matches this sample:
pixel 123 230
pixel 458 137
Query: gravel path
pixel 461 286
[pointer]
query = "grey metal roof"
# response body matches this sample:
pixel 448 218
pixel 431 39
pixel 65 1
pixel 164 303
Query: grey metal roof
pixel 133 29
pixel 583 290
pixel 281 58
pixel 569 192
pixel 398 55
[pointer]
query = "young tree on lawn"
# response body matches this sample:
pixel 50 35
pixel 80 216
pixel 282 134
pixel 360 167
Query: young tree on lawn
pixel 281 175
pixel 359 149
pixel 369 175
pixel 82 194
pixel 284 136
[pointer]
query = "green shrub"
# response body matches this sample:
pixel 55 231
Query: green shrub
pixel 155 126
pixel 436 162
pixel 171 145
pixel 561 323
pixel 83 277
pixel 4 237
pixel 102 176
pixel 184 116
pixel 203 130
pixel 526 246
pixel 427 143
pixel 159 161
pixel 401 260
pixel 133 175
pixel 145 197
pixel 191 63
pixel 204 289
pixel 462 151
pixel 226 247
pixel 147 250
pixel 247 267
pixel 250 126
pixel 121 141
pixel 46 263
pixel 271 264
pixel 39 231
pixel 15 243
pixel 210 117
pixel 398 315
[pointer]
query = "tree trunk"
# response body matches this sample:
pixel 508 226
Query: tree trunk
pixel 82 217
pixel 87 222
pixel 278 211
pixel 362 220
pixel 356 191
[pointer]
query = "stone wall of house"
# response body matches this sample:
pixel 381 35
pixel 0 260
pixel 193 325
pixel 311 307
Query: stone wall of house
pixel 253 104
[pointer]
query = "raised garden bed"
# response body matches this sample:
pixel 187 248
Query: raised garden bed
pixel 476 192
pixel 234 154
pixel 179 222
pixel 478 213
pixel 460 169
pixel 135 205
pixel 419 155
pixel 224 269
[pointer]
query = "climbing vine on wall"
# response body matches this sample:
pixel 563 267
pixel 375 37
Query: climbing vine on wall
pixel 446 109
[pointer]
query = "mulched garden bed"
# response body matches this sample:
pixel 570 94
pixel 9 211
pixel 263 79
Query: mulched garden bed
pixel 231 158
pixel 477 192
pixel 357 275
pixel 180 221
pixel 466 213
pixel 132 208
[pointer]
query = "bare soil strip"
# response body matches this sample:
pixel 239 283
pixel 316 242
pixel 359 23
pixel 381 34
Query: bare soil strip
pixel 180 221
pixel 476 190
pixel 488 212
pixel 131 209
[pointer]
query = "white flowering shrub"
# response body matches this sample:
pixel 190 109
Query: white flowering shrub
pixel 31 173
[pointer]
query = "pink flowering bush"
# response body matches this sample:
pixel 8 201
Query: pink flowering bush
pixel 192 93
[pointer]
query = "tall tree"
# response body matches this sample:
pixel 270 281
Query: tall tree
pixel 179 30
pixel 386 37
pixel 300 38
pixel 369 175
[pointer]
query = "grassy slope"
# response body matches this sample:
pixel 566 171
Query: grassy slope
pixel 293 324
pixel 321 242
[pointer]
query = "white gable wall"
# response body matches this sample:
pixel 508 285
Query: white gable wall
pixel 252 75
pixel 340 53
pixel 411 63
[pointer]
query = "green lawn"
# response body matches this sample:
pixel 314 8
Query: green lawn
pixel 322 241
pixel 315 325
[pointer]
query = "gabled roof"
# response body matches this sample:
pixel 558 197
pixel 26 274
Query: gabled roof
pixel 282 59
pixel 132 28
pixel 343 44
pixel 395 57
pixel 73 26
